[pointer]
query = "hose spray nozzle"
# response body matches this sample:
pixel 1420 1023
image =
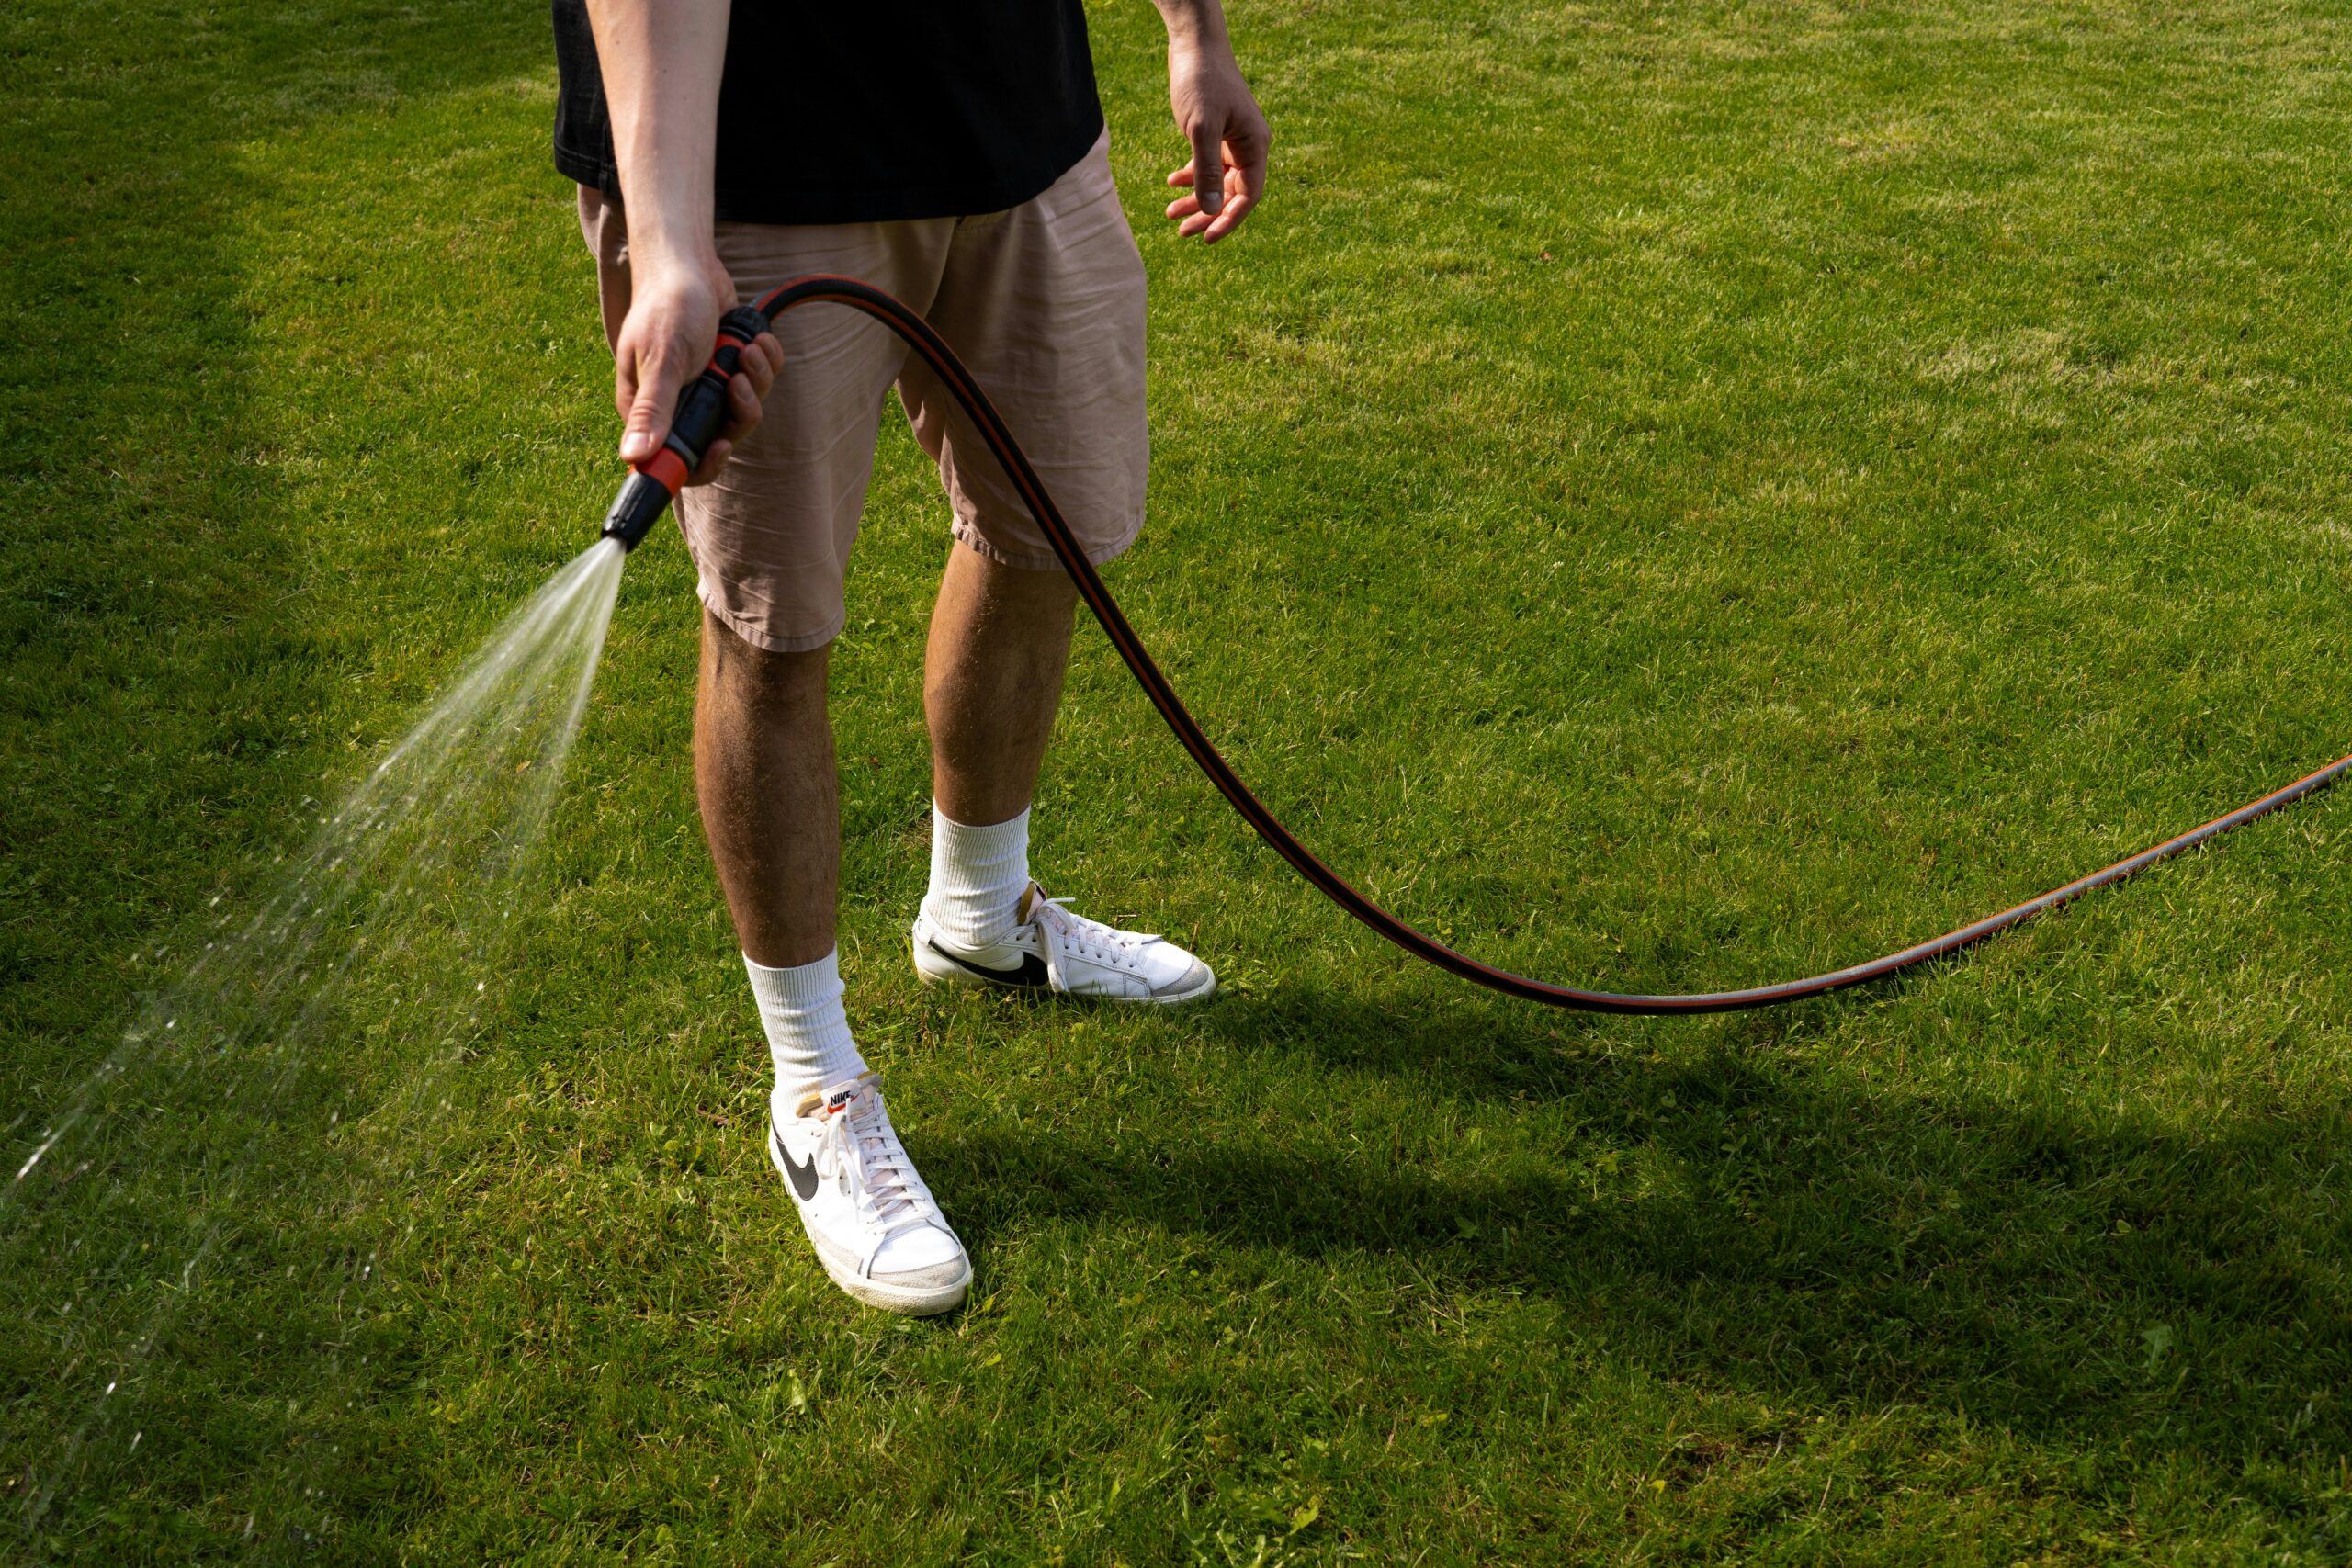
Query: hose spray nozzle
pixel 701 415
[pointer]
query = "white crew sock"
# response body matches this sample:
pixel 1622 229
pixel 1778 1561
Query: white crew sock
pixel 807 1030
pixel 977 876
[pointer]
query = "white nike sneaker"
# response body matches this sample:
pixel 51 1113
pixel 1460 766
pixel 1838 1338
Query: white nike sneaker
pixel 875 1224
pixel 1052 949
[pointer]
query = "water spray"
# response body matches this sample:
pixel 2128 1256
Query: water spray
pixel 702 413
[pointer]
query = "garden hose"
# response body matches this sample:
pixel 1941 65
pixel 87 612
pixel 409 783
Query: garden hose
pixel 702 409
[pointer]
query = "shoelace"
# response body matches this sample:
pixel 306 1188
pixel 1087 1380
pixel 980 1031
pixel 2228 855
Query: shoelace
pixel 863 1142
pixel 1107 941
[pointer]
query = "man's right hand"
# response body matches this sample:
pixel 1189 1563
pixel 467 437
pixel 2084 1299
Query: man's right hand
pixel 662 62
pixel 664 343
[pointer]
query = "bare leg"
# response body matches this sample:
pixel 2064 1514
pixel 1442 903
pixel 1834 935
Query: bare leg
pixel 764 762
pixel 763 746
pixel 771 805
pixel 992 677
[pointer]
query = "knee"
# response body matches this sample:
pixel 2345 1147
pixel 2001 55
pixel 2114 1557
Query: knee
pixel 1028 597
pixel 743 674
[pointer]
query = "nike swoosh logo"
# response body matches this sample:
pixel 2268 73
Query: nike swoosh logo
pixel 1031 972
pixel 801 1174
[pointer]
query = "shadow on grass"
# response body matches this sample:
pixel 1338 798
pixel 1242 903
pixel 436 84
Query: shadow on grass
pixel 162 707
pixel 1751 1220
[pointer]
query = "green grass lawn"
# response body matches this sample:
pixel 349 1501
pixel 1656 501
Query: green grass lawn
pixel 1669 495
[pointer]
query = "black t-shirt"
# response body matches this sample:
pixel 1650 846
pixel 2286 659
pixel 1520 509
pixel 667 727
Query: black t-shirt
pixel 871 111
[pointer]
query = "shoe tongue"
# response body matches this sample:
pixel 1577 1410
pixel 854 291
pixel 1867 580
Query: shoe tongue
pixel 834 1098
pixel 1031 897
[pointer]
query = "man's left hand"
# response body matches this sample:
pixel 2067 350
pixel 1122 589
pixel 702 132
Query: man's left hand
pixel 1221 119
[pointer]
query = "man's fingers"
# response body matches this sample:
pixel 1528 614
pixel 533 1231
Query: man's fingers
pixel 742 408
pixel 712 461
pixel 1236 207
pixel 649 415
pixel 1208 166
pixel 624 382
pixel 1183 176
pixel 745 391
pixel 1243 181
pixel 762 361
pixel 1250 167
pixel 651 400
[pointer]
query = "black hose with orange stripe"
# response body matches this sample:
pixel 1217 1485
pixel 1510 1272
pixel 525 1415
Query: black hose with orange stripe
pixel 702 409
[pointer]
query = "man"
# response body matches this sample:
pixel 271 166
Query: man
pixel 954 155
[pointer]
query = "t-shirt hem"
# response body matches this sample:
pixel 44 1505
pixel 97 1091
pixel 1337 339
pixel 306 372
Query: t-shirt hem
pixel 581 169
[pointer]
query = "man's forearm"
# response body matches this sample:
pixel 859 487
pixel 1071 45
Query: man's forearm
pixel 1193 23
pixel 662 62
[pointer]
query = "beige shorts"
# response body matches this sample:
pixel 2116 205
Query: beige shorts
pixel 1043 302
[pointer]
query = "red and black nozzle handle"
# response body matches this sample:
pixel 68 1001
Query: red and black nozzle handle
pixel 702 414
